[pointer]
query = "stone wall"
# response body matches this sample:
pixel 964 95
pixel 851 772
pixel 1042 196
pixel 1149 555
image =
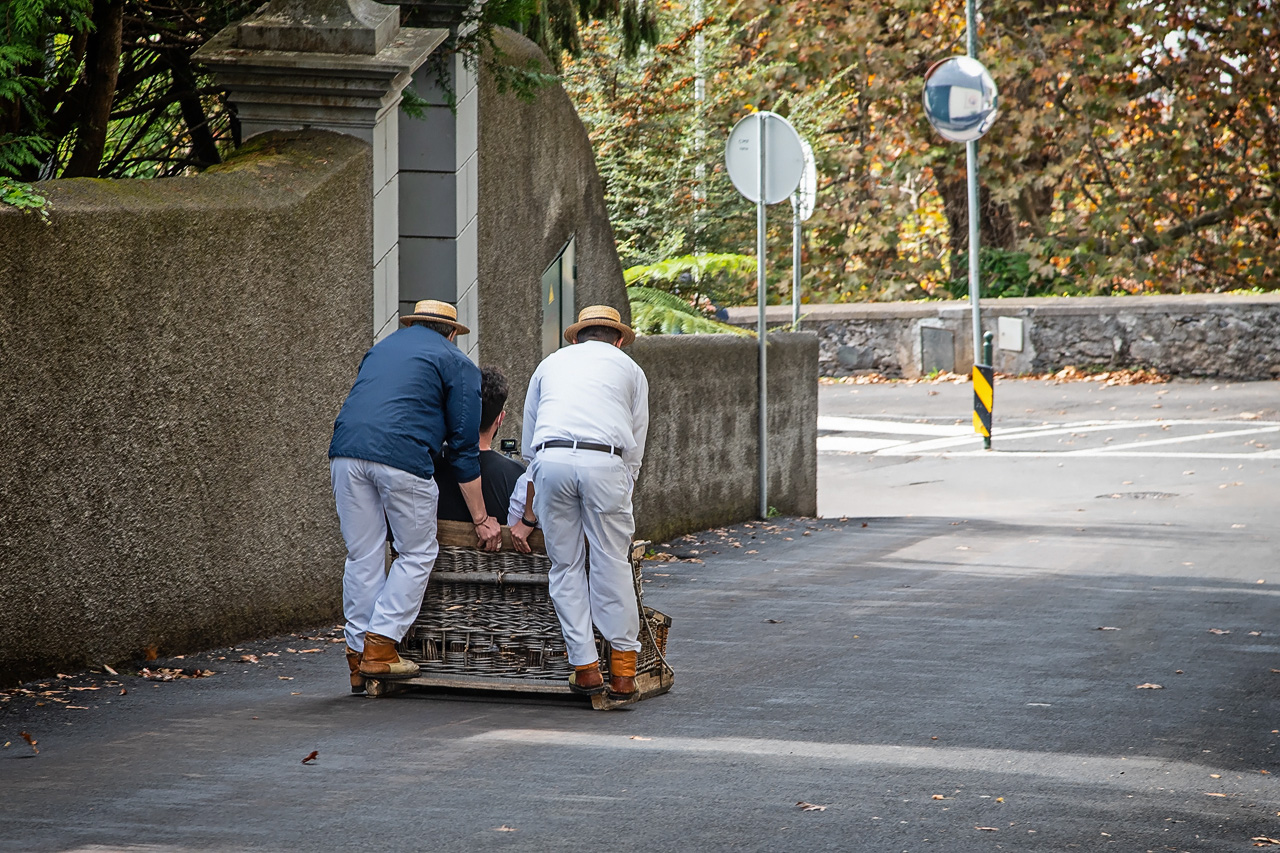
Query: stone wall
pixel 1209 335
pixel 172 355
pixel 701 460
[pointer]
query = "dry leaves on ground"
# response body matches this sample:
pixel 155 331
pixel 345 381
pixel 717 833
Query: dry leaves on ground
pixel 986 829
pixel 1264 841
pixel 311 756
pixel 1150 686
pixel 164 673
pixel 810 807
pixel 504 828
pixel 1108 628
pixel 30 742
pixel 1218 631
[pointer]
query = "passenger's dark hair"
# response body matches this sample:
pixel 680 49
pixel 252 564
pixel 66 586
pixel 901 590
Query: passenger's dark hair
pixel 607 334
pixel 493 395
pixel 443 328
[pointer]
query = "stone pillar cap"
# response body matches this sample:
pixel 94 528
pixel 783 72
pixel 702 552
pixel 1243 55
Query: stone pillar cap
pixel 320 26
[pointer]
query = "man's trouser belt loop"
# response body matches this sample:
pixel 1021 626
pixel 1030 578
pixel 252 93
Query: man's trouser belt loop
pixel 579 445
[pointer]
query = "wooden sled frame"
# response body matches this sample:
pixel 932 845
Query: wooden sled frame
pixel 656 677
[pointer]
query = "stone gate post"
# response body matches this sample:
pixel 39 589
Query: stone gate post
pixel 337 65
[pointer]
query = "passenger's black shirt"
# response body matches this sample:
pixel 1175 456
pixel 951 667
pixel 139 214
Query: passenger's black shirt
pixel 498 475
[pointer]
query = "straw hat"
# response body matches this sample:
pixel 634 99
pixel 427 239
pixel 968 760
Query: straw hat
pixel 437 312
pixel 599 315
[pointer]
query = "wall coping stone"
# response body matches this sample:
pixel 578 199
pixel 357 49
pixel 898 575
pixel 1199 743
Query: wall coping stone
pixel 1038 305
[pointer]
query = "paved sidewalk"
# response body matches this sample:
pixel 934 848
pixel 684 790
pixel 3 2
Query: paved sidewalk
pixel 951 661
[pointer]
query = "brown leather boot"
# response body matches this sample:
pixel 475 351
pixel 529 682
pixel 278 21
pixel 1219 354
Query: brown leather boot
pixel 622 674
pixel 381 660
pixel 586 680
pixel 353 663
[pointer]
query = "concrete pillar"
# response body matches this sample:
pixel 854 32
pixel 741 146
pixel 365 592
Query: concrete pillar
pixel 439 198
pixel 337 65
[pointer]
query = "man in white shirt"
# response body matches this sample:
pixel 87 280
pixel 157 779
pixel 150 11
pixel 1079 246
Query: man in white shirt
pixel 585 419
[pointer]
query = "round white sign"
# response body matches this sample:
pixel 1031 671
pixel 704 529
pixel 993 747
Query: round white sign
pixel 960 98
pixel 783 157
pixel 807 192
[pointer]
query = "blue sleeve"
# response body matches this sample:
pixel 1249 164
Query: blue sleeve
pixel 462 417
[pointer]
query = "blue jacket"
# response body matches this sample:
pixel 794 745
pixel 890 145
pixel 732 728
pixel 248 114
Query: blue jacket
pixel 415 390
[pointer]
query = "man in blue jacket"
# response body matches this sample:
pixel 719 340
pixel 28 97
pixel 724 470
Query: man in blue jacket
pixel 415 390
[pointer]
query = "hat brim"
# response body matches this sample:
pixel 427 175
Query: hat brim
pixel 628 334
pixel 434 318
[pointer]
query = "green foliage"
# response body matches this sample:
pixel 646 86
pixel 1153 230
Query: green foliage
pixel 658 122
pixel 656 312
pixel 723 278
pixel 1004 273
pixel 22 196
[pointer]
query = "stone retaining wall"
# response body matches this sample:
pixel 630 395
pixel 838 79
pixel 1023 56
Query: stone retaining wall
pixel 701 460
pixel 172 355
pixel 1210 335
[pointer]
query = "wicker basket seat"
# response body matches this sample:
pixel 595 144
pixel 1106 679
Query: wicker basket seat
pixel 489 615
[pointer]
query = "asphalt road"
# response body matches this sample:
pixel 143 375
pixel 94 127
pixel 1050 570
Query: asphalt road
pixel 949 660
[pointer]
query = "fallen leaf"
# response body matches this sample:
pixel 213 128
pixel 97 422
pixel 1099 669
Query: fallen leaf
pixel 285 677
pixel 151 652
pixel 108 670
pixel 1108 628
pixel 986 828
pixel 308 651
pixel 810 807
pixel 638 737
pixel 1264 841
pixel 249 658
pixel 81 689
pixel 505 828
pixel 1218 631
pixel 753 552
pixel 1150 686
pixel 1207 794
pixel 78 707
pixel 864 524
pixel 123 691
pixel 30 742
pixel 1215 775
pixel 1251 634
pixel 312 756
pixel 779 622
pixel 940 797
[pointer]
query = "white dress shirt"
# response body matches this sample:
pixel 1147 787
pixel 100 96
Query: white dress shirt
pixel 589 391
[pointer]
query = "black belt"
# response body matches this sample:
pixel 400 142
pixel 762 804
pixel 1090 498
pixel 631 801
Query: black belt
pixel 579 445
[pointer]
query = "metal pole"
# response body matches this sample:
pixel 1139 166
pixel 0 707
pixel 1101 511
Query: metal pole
pixel 971 167
pixel 795 263
pixel 760 326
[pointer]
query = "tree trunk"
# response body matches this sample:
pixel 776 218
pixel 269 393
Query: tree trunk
pixel 203 147
pixel 997 223
pixel 102 68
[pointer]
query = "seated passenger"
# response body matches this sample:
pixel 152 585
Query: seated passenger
pixel 498 473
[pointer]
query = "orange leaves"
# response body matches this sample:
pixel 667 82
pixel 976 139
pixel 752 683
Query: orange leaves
pixel 311 757
pixel 30 742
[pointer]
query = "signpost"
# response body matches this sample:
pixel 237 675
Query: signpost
pixel 765 160
pixel 960 101
pixel 801 209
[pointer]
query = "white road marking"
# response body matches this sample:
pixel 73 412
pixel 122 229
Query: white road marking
pixel 889 427
pixel 848 444
pixel 1182 439
pixel 957 440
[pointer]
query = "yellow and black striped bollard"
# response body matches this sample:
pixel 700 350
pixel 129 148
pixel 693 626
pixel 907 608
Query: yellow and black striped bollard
pixel 984 385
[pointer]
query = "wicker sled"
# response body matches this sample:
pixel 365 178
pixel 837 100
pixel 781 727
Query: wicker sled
pixel 487 623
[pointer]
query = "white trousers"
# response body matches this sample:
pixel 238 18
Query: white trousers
pixel 368 496
pixel 587 493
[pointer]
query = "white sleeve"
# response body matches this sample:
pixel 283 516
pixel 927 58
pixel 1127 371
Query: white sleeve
pixel 639 423
pixel 515 509
pixel 530 424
